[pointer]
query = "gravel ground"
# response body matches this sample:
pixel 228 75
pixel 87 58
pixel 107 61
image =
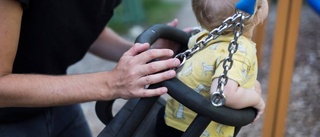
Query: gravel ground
pixel 303 112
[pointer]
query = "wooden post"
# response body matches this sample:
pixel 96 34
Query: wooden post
pixel 282 63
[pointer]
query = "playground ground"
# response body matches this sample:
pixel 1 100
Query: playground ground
pixel 303 112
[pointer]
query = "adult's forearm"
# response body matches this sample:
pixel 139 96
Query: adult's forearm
pixel 110 45
pixel 127 80
pixel 24 90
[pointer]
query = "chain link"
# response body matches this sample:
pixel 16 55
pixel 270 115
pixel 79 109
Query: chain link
pixel 218 98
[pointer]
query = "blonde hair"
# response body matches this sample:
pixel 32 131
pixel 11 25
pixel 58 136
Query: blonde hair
pixel 211 13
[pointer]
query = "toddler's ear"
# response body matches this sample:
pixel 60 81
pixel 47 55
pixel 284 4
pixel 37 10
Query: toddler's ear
pixel 261 12
pixel 258 17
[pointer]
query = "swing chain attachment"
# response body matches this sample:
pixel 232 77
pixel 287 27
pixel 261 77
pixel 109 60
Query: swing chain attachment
pixel 214 34
pixel 218 98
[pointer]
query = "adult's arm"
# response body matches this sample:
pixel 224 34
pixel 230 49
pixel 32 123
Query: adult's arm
pixel 127 80
pixel 110 45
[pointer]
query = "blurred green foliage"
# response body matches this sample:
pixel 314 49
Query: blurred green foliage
pixel 144 13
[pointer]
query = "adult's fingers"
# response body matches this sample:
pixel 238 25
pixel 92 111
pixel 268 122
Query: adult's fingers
pixel 136 49
pixel 158 77
pixel 173 23
pixel 151 54
pixel 140 55
pixel 156 66
pixel 152 92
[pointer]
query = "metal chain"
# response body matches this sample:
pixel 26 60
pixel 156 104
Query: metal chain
pixel 218 98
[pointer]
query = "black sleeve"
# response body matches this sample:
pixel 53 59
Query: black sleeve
pixel 24 3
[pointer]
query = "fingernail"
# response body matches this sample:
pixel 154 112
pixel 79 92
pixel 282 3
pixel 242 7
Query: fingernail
pixel 171 52
pixel 177 62
pixel 164 90
pixel 171 73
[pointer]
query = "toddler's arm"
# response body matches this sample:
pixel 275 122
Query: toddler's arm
pixel 238 97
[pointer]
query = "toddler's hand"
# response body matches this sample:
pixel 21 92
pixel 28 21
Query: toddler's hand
pixel 260 107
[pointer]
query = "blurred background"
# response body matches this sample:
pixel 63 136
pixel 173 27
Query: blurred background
pixel 303 110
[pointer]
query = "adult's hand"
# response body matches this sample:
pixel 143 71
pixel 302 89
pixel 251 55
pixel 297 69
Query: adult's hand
pixel 168 44
pixel 135 71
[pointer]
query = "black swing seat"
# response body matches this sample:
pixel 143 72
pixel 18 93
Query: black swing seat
pixel 137 118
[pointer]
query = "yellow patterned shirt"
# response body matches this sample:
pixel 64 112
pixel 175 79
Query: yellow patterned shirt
pixel 199 71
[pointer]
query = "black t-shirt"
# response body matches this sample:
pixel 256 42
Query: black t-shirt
pixel 55 34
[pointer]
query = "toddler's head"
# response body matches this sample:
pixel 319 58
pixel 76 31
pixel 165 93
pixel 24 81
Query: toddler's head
pixel 211 13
